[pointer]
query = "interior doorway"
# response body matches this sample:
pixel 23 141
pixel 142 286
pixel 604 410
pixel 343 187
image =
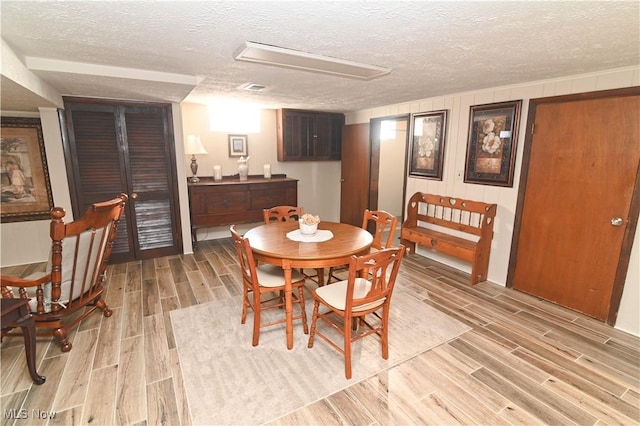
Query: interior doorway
pixel 387 184
pixel 374 168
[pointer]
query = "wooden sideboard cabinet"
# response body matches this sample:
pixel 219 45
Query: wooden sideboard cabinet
pixel 309 135
pixel 232 201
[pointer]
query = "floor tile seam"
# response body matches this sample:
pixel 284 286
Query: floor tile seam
pixel 584 395
pixel 502 363
pixel 535 397
pixel 596 353
pixel 578 381
pixel 472 396
pixel 441 396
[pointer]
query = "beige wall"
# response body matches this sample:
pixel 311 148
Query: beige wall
pixel 319 181
pixel 28 242
pixel 458 106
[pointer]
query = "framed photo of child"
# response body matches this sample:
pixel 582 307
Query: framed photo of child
pixel 24 175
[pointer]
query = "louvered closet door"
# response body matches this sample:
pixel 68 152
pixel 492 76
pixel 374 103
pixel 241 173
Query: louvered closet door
pixel 151 163
pixel 113 148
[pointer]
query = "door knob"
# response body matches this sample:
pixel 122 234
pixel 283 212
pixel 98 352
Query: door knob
pixel 134 196
pixel 616 221
pixel 341 180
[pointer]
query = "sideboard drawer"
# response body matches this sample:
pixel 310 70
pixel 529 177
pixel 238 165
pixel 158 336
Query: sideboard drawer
pixel 227 201
pixel 270 196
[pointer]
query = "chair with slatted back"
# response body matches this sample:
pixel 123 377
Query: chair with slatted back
pixel 367 290
pixel 385 223
pixel 286 213
pixel 75 274
pixel 259 281
pixel 282 214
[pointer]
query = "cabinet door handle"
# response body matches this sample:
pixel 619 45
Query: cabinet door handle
pixel 134 195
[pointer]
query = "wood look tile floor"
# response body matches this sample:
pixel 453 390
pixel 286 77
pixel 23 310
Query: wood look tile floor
pixel 525 361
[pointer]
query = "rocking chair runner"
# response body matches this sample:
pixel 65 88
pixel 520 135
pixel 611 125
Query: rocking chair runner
pixel 75 271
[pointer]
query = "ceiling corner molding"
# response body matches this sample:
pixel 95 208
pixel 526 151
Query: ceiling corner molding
pixel 15 76
pixel 69 67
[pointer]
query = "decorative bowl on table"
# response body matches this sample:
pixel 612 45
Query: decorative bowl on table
pixel 309 224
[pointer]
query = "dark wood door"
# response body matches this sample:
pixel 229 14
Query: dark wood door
pixel 354 186
pixel 577 215
pixel 126 147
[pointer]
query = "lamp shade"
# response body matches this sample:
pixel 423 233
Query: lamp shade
pixel 194 145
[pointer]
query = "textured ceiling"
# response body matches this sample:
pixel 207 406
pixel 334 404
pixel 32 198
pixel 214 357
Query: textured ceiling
pixel 434 48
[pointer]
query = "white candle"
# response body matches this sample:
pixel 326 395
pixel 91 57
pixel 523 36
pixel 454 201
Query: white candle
pixel 217 173
pixel 267 171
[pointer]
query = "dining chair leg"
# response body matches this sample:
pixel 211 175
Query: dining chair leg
pixel 384 335
pixel 314 319
pixel 256 319
pixel 245 302
pixel 347 348
pixel 302 310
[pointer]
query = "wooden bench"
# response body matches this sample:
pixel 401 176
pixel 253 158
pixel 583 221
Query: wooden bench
pixel 428 215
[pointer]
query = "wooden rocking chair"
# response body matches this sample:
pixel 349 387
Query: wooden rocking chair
pixel 75 271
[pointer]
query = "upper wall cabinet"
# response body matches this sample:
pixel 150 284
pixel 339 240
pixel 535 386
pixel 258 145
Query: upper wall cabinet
pixel 309 135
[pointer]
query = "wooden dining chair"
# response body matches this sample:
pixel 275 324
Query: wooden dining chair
pixel 384 223
pixel 367 289
pixel 259 281
pixel 75 274
pixel 282 214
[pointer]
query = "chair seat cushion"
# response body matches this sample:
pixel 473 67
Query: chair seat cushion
pixel 46 293
pixel 273 276
pixel 335 294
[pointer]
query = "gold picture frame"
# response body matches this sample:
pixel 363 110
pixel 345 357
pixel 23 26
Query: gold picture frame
pixel 24 175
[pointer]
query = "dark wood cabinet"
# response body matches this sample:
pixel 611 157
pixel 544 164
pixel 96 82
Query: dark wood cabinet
pixel 309 135
pixel 232 201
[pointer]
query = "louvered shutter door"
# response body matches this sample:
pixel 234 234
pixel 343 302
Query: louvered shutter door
pixel 150 163
pixel 113 148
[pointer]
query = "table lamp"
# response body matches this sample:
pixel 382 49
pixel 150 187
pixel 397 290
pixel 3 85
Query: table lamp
pixel 194 146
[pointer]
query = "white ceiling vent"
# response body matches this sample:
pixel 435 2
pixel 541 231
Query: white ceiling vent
pixel 254 87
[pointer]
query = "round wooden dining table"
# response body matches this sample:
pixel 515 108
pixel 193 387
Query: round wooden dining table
pixel 270 244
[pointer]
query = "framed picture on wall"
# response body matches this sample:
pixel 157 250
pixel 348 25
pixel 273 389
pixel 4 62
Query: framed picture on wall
pixel 25 185
pixel 491 148
pixel 238 146
pixel 428 132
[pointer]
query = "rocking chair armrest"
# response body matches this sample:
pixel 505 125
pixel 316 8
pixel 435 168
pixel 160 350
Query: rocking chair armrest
pixel 23 282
